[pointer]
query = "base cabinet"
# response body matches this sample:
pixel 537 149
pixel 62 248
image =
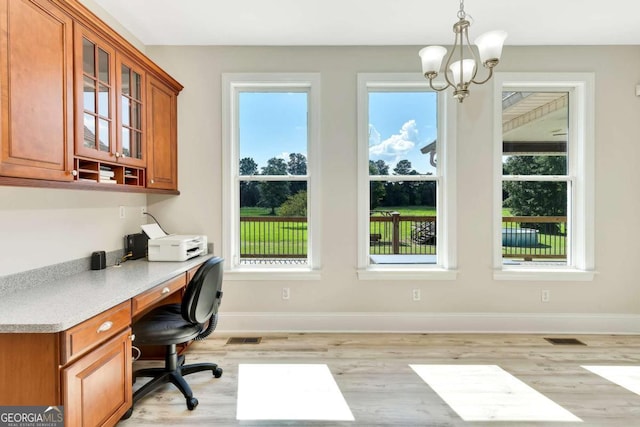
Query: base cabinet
pixel 97 387
pixel 86 368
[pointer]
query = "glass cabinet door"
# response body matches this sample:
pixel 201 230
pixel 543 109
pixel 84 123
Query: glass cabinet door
pixel 131 115
pixel 96 139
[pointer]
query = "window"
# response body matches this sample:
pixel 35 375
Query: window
pixel 544 183
pixel 270 172
pixel 405 172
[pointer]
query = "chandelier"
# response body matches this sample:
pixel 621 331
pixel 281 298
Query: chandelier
pixel 460 74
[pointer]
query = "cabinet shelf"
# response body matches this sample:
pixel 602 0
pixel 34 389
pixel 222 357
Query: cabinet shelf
pixel 105 173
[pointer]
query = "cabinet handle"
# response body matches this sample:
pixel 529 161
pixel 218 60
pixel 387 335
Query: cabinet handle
pixel 74 173
pixel 105 326
pixel 153 181
pixel 132 337
pixel 165 290
pixel 116 154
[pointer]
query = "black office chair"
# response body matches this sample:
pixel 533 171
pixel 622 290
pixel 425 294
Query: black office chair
pixel 194 319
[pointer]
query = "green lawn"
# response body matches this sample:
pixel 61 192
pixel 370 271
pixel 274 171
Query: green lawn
pixel 409 210
pixel 256 211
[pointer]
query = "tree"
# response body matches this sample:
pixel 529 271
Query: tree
pixel 297 165
pixel 249 193
pixel 273 193
pixel 295 205
pixel 536 198
pixel 376 188
pixel 401 193
pixel 382 167
pixel 403 167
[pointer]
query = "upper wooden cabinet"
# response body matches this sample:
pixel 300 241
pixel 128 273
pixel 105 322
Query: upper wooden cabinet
pixel 95 96
pixel 162 164
pixel 110 88
pixel 80 103
pixel 131 112
pixel 36 82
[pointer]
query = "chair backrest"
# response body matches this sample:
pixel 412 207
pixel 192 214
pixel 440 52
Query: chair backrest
pixel 204 292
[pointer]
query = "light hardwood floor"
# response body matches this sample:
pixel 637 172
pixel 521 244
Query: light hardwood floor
pixel 373 373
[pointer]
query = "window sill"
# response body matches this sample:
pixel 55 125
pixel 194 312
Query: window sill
pixel 548 274
pixel 265 274
pixel 410 273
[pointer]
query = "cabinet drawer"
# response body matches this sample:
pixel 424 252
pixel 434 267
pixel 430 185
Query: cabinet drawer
pixel 158 293
pixel 92 332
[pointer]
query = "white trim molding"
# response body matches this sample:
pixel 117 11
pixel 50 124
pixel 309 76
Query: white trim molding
pixel 580 175
pixel 445 179
pixel 232 85
pixel 347 322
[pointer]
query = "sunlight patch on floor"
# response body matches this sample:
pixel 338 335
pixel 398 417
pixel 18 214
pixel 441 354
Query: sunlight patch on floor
pixel 488 393
pixel 625 376
pixel 289 392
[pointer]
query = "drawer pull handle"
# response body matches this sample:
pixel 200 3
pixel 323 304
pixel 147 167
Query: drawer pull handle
pixel 165 290
pixel 105 326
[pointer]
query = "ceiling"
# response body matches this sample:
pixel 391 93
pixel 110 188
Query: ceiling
pixel 374 22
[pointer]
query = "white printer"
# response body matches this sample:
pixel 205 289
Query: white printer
pixel 173 247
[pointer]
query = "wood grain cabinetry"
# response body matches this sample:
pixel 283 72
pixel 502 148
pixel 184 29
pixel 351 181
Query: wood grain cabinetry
pixel 95 96
pixel 131 91
pixel 36 82
pixel 159 294
pixel 86 368
pixel 162 164
pixel 97 388
pixel 81 338
pixel 80 103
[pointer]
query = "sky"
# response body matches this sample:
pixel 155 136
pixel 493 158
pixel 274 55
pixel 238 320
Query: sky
pixel 400 124
pixel 274 124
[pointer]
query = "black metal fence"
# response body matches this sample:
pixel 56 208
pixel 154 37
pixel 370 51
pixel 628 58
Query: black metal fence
pixel 279 239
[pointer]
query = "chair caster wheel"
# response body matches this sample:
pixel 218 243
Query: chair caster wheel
pixel 127 414
pixel 218 372
pixel 192 402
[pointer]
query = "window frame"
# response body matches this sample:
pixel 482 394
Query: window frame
pixel 445 268
pixel 580 175
pixel 232 85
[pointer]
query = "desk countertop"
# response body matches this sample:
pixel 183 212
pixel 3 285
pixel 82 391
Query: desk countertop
pixel 61 304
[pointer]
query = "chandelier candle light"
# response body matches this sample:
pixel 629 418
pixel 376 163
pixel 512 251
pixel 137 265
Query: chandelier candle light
pixel 464 70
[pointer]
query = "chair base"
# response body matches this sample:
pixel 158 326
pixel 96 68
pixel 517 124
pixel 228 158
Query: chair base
pixel 173 372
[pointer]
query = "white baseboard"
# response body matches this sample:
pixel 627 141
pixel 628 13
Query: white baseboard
pixel 562 323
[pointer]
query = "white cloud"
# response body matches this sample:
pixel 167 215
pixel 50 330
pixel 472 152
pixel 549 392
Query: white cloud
pixel 394 147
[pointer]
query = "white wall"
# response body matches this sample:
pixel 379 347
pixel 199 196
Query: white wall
pixel 198 209
pixel 44 226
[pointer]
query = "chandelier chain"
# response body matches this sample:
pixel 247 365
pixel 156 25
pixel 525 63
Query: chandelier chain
pixel 461 12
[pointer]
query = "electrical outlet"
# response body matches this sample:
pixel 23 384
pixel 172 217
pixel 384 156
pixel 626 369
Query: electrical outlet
pixel 415 295
pixel 545 295
pixel 143 211
pixel 285 293
pixel 122 212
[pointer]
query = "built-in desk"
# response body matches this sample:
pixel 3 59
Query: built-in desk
pixel 68 342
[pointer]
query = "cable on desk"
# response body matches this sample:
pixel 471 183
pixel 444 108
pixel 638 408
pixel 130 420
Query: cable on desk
pixel 154 218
